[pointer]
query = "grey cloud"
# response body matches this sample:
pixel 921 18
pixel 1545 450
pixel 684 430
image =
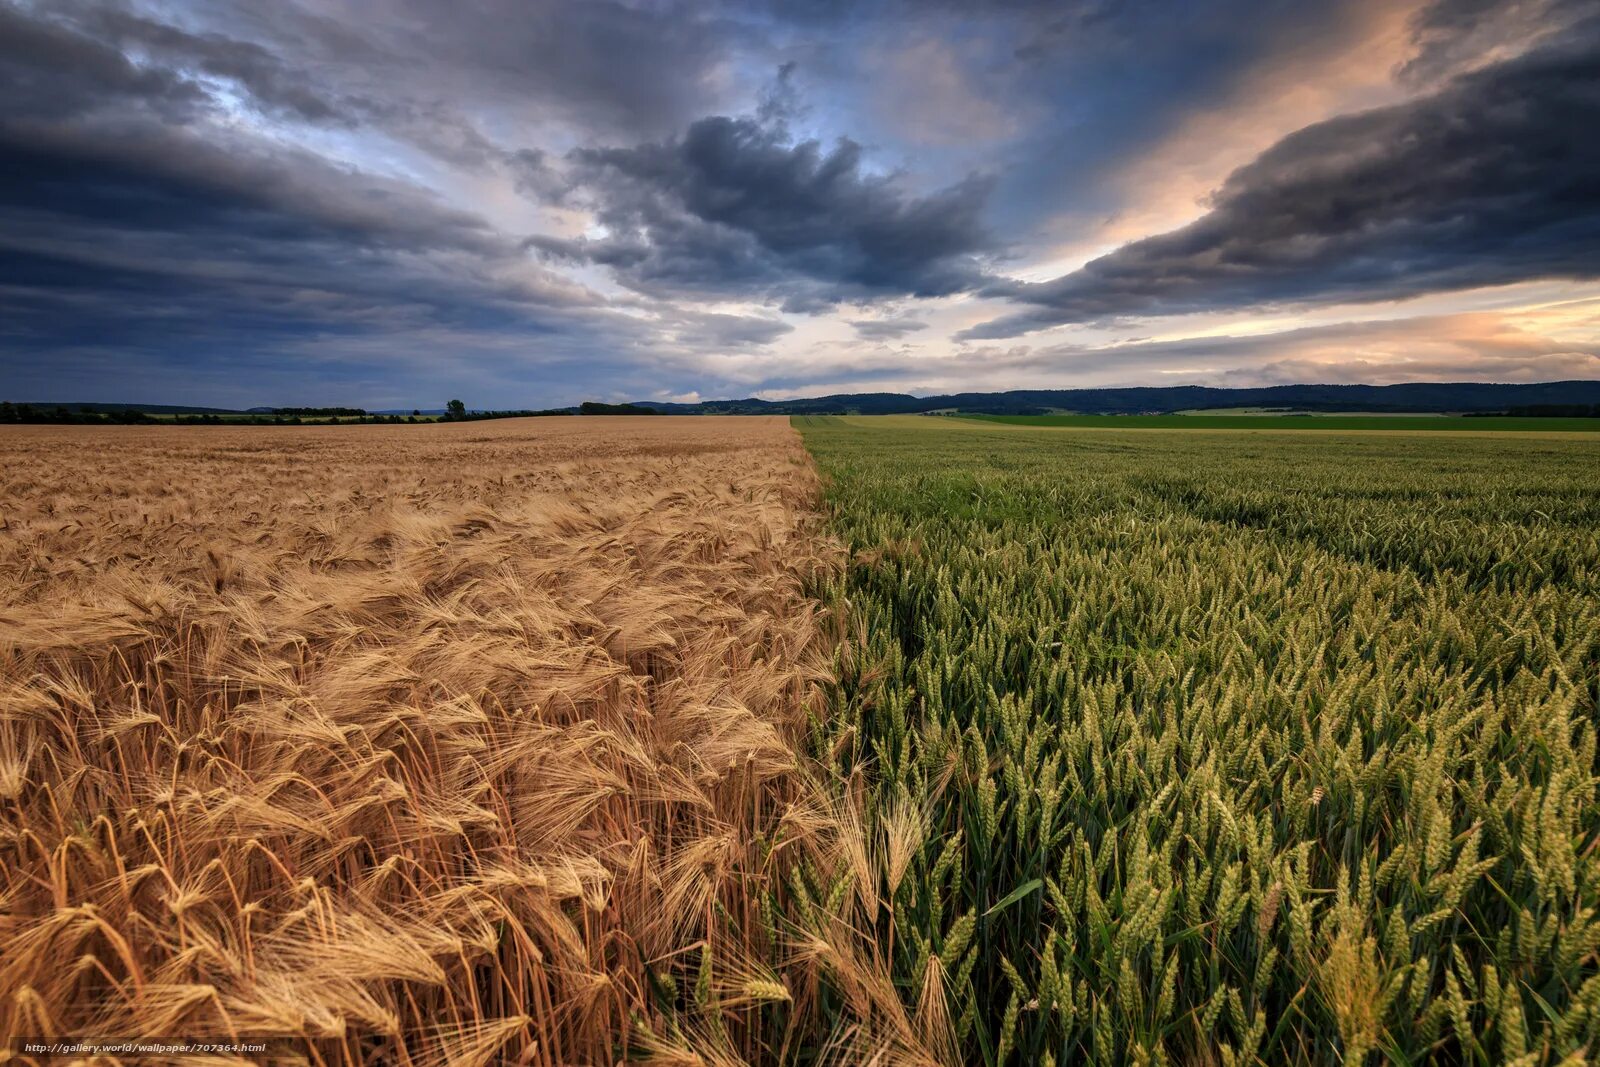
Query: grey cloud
pixel 780 100
pixel 437 76
pixel 262 73
pixel 50 70
pixel 1466 347
pixel 538 178
pixel 722 331
pixel 1453 36
pixel 1484 182
pixel 1542 367
pixel 163 179
pixel 890 329
pixel 599 64
pixel 730 208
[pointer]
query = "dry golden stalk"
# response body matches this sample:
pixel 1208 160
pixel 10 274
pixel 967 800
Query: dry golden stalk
pixel 419 744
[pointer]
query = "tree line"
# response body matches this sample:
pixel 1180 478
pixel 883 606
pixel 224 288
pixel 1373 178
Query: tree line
pixel 1549 411
pixel 455 411
pixel 61 415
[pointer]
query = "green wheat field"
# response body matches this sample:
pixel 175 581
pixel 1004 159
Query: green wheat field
pixel 1222 747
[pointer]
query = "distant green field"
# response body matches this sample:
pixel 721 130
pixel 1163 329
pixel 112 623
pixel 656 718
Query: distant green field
pixel 1256 410
pixel 1295 422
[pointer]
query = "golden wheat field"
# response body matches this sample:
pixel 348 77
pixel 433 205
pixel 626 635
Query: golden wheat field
pixel 424 745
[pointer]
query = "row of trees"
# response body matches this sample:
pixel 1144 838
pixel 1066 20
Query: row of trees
pixel 10 412
pixel 456 411
pixel 1556 411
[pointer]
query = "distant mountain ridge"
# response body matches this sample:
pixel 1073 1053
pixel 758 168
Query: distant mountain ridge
pixel 1410 396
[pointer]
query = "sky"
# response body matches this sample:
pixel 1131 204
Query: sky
pixel 529 203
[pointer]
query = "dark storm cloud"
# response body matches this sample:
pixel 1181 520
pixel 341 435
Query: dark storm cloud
pixel 1485 182
pixel 731 208
pixel 151 215
pixel 157 181
pixel 90 137
pixel 131 219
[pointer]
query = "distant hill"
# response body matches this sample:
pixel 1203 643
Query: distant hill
pixel 1413 396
